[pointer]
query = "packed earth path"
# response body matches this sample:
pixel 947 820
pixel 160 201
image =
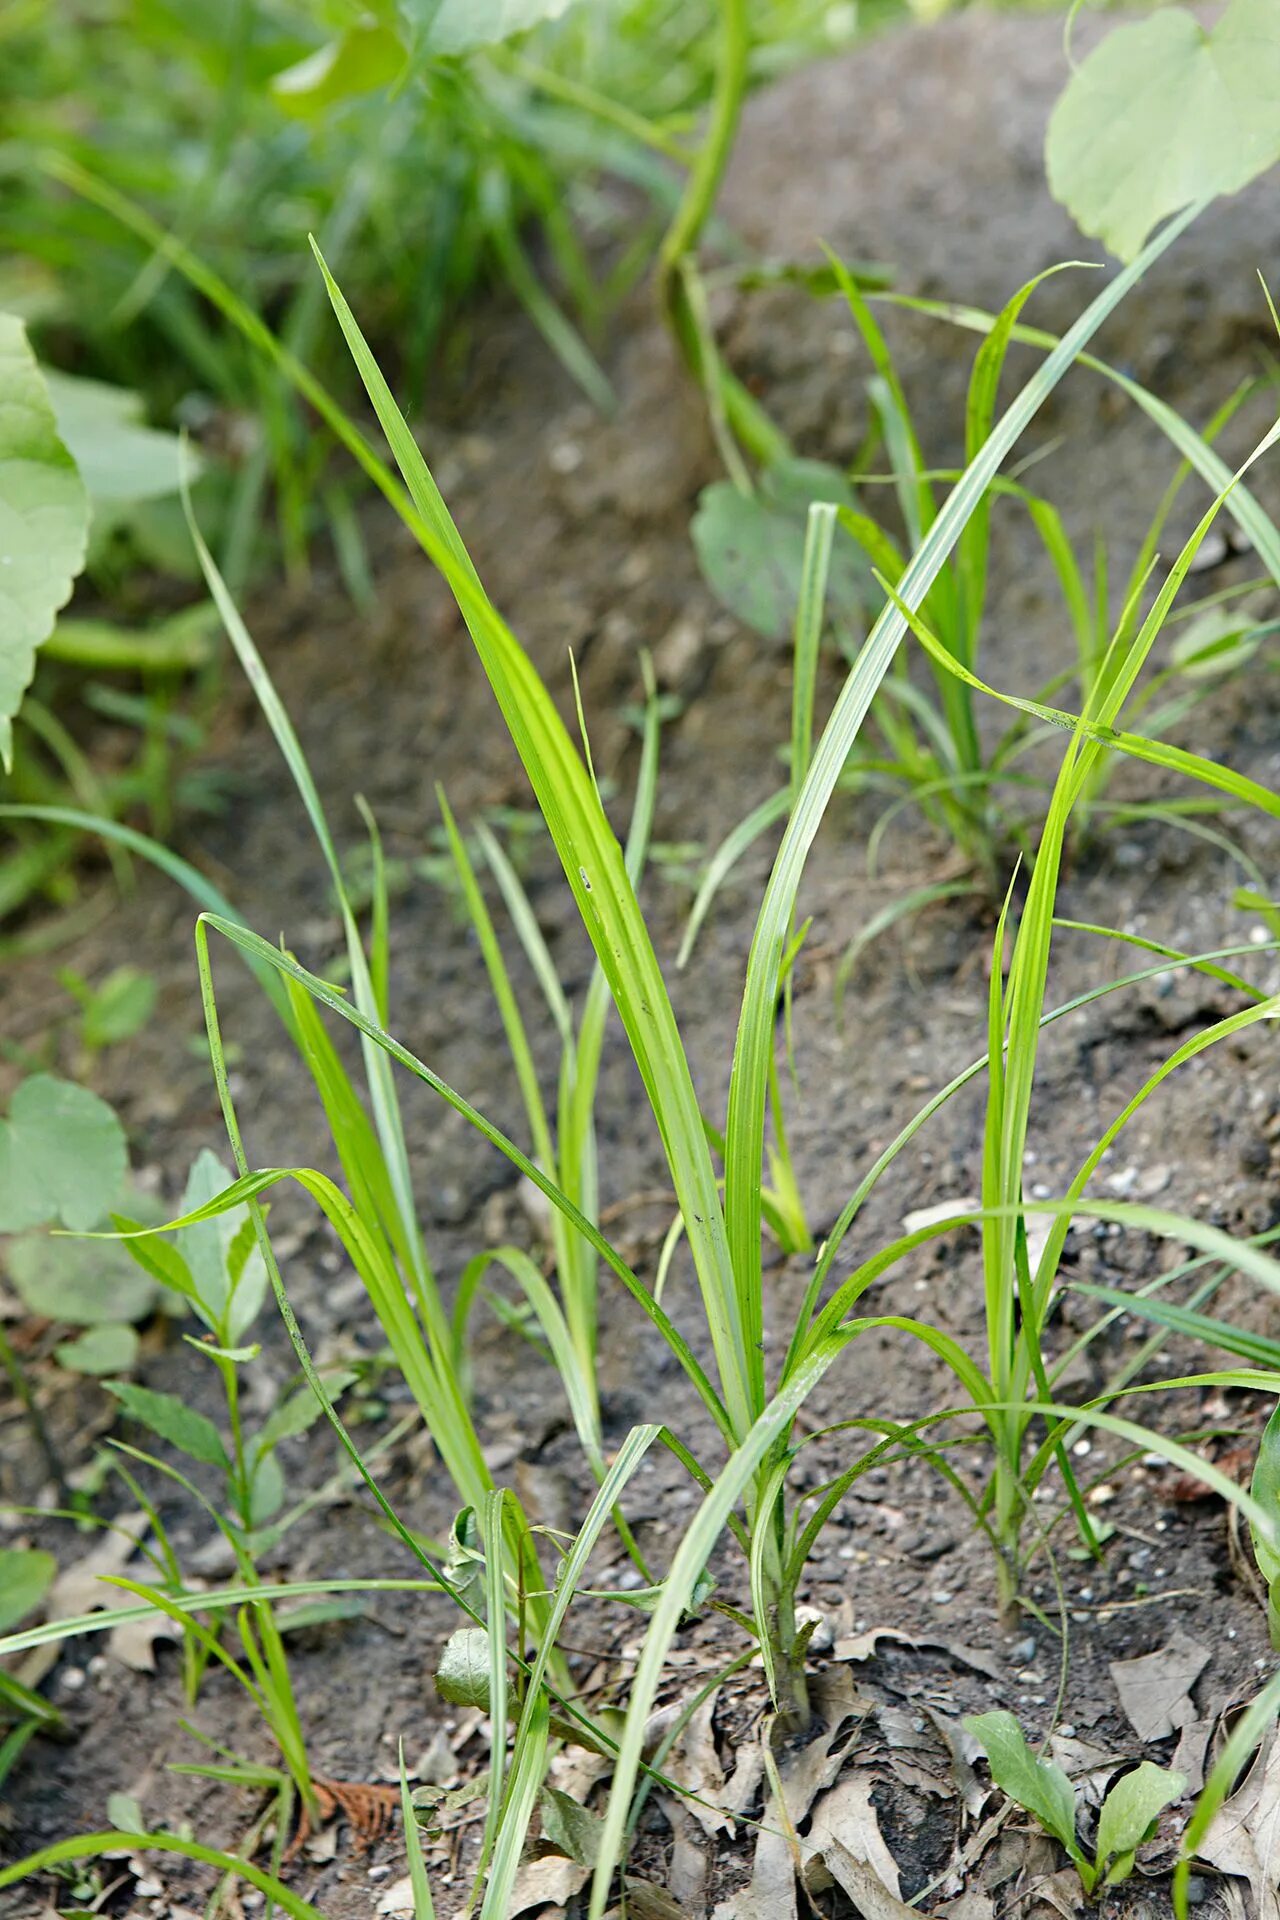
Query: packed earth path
pixel 579 528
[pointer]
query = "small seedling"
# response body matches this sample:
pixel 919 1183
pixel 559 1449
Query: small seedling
pixel 114 1010
pixel 1129 1812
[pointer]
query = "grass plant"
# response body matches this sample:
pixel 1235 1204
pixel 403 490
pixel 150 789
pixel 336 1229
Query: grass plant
pixel 508 1652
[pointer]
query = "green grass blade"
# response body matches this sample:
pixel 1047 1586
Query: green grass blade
pixel 752 1052
pixel 328 996
pixel 423 1905
pixel 96 1846
pixel 386 1112
pixel 725 859
pixel 691 1557
pixel 810 612
pixel 595 869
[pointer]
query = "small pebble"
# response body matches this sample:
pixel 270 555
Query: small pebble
pixel 941 1598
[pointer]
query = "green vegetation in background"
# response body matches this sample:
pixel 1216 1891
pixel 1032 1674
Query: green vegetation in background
pixel 1012 1387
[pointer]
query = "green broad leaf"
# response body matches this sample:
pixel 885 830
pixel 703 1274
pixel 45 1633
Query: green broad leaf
pixel 173 1420
pixel 301 1410
pixel 88 1283
pixel 117 1009
pixel 239 1356
pixel 1131 1810
pixel 320 1613
pixel 570 1828
pixel 266 1496
pixel 109 1348
pixel 44 521
pixel 1038 1786
pixel 464 1567
pixel 463 1674
pixel 215 1252
pixel 1265 1488
pixel 156 1256
pixel 1164 114
pixel 751 547
pixel 62 1154
pixel 26 1574
pixel 125 1814
pixel 121 460
pixel 367 57
pixel 435 27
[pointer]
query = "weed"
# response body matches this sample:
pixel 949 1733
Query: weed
pixel 1128 1814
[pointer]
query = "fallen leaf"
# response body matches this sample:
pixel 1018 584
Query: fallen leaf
pixel 133 1644
pixel 1192 1751
pixel 690 1866
pixel 803 1773
pixel 1244 1836
pixel 861 1646
pixel 649 1902
pixel 550 1881
pixel 398 1897
pixel 1155 1690
pixel 694 1765
pixel 845 1828
pixel 964 1750
pixel 1089 1768
pixel 78 1587
pixel 972 1904
pixel 872 1900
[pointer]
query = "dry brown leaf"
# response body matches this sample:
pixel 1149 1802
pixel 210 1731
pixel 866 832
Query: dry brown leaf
pixel 690 1869
pixel 133 1643
pixel 1244 1837
pixel 972 1904
pixel 963 1750
pixel 1089 1768
pixel 872 1899
pixel 861 1646
pixel 650 1902
pixel 803 1772
pixel 78 1587
pixel 845 1827
pixel 551 1881
pixel 398 1897
pixel 694 1765
pixel 1155 1690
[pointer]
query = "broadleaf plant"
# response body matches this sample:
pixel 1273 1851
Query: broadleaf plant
pixel 44 521
pixel 1164 113
pixel 1128 1815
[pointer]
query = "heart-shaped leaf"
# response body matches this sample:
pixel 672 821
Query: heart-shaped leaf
pixel 110 1348
pixel 750 547
pixel 44 521
pixel 1165 113
pixel 463 1673
pixel 436 27
pixel 88 1283
pixel 62 1154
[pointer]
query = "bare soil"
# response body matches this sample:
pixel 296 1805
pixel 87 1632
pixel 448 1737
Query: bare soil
pixel 922 150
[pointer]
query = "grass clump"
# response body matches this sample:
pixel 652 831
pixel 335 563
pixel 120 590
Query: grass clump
pixel 512 1588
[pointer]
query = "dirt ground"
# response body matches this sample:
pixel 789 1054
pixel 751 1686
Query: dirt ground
pixel 925 153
